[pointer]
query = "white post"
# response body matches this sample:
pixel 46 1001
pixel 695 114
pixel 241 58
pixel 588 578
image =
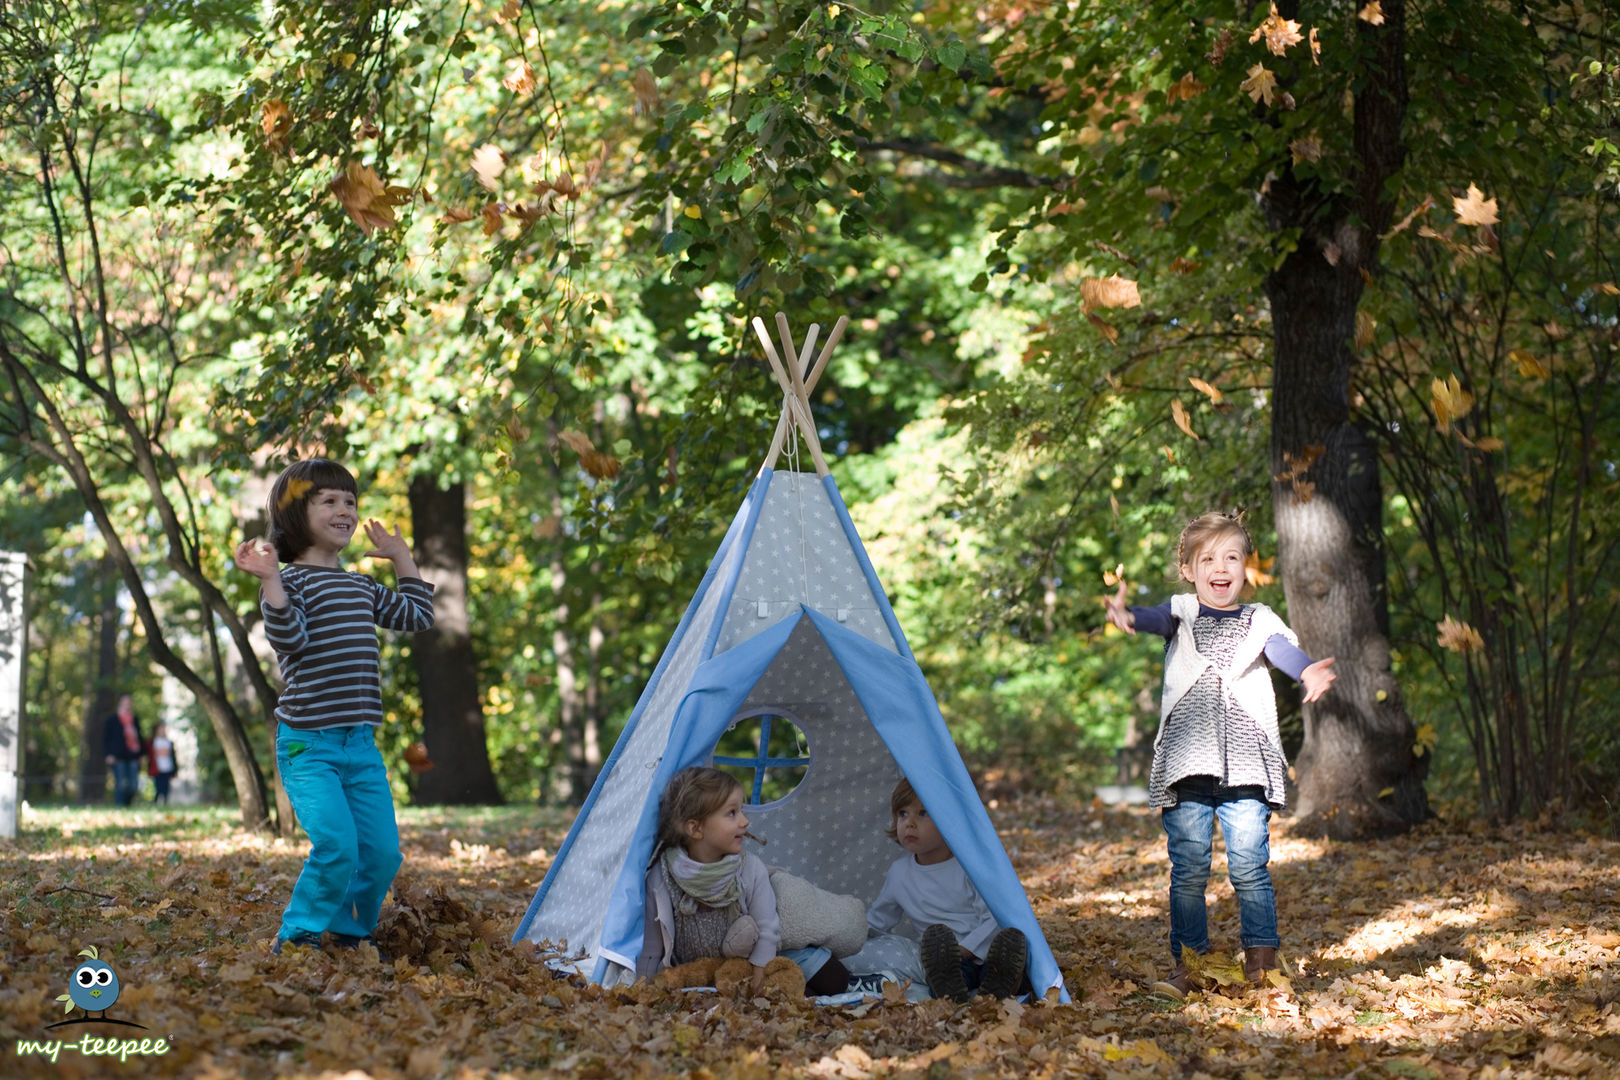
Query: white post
pixel 13 678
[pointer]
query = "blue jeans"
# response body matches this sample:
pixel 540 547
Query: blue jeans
pixel 1190 829
pixel 338 786
pixel 126 780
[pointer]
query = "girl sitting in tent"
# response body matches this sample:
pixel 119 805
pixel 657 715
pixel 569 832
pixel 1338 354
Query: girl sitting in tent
pixel 706 897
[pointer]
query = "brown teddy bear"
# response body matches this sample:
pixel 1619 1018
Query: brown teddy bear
pixel 782 976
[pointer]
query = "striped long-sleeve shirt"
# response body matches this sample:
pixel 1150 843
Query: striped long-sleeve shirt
pixel 326 641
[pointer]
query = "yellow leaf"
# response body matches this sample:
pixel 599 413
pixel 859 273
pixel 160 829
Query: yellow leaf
pixel 346 60
pixel 509 11
pixel 1490 444
pixel 645 86
pixel 1366 326
pixel 1610 288
pixel 1386 793
pixel 1459 637
pixel 1184 89
pixel 692 212
pixel 1111 292
pixel 366 198
pixel 276 120
pixel 489 161
pixel 1373 13
pixel 1306 149
pixel 1530 366
pixel 1115 577
pixel 1405 222
pixel 1213 393
pixel 1178 412
pixel 1475 208
pixel 833 11
pixel 1107 329
pixel 520 80
pixel 1255 569
pixel 1279 33
pixel 1449 401
pixel 295 489
pixel 1426 737
pixel 1261 85
pixel 1316 48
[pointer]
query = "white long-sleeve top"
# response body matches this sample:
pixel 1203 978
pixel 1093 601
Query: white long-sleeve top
pixel 940 893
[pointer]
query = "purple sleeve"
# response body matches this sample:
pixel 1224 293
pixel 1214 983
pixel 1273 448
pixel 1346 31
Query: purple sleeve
pixel 1286 657
pixel 1155 620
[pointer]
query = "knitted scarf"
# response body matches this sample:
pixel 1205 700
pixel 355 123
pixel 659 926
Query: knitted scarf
pixel 716 884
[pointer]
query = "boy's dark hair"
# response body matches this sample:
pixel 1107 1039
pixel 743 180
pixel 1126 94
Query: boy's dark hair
pixel 289 502
pixel 903 796
pixel 692 795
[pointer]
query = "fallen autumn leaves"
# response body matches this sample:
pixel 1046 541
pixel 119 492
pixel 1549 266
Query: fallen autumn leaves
pixel 1458 951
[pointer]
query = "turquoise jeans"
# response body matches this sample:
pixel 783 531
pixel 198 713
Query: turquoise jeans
pixel 338 786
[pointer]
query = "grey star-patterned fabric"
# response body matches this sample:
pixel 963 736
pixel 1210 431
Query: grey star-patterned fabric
pixel 831 828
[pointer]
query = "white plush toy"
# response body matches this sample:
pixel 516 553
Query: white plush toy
pixel 813 916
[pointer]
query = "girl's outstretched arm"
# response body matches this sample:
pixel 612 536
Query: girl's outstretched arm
pixel 1317 678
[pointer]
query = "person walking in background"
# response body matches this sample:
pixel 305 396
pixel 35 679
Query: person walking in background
pixel 160 764
pixel 122 743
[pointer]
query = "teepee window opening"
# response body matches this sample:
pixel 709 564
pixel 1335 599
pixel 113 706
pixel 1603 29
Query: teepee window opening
pixel 767 751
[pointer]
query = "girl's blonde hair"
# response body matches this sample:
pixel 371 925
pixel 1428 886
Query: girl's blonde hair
pixel 1205 529
pixel 691 795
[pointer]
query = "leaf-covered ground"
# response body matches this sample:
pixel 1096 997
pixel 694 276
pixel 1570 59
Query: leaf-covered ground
pixel 1459 951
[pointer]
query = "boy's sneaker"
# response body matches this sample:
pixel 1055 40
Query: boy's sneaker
pixel 1004 963
pixel 942 963
pixel 305 939
pixel 866 985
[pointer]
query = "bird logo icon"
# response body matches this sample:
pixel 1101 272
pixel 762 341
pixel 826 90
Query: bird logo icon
pixel 93 987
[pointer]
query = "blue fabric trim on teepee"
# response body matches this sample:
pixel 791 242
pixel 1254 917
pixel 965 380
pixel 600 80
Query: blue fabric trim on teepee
pixel 737 534
pixel 897 699
pixel 717 689
pixel 859 548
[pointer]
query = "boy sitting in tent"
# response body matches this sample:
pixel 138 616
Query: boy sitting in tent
pixel 963 950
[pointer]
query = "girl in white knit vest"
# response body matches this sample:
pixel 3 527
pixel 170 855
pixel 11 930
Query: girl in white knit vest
pixel 1218 753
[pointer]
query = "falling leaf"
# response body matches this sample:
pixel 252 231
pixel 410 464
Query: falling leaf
pixel 1109 292
pixel 1425 739
pixel 1183 266
pixel 1214 394
pixel 1217 51
pixel 1261 85
pixel 489 161
pixel 593 461
pixel 1474 208
pixel 509 11
pixel 1490 444
pixel 1108 329
pixel 1116 577
pixel 456 215
pixel 275 118
pixel 1373 13
pixel 1115 252
pixel 1184 89
pixel 1449 401
pixel 1530 365
pixel 1609 288
pixel 1178 412
pixel 1256 569
pixel 492 218
pixel 645 85
pixel 366 198
pixel 295 489
pixel 1366 327
pixel 833 11
pixel 1332 253
pixel 1316 48
pixel 520 80
pixel 1306 149
pixel 1459 637
pixel 1279 33
pixel 1422 207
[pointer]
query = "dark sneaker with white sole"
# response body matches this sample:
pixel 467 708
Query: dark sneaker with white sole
pixel 1004 963
pixel 942 963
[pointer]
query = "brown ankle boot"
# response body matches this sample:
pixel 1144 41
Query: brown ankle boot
pixel 1177 984
pixel 1257 960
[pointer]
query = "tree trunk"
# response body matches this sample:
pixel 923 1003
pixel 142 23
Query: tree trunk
pixel 101 685
pixel 569 704
pixel 446 669
pixel 1357 774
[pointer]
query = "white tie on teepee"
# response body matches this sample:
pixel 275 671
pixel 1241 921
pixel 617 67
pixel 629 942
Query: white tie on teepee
pixel 789 623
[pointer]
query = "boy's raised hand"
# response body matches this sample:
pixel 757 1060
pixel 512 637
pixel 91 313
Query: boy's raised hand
pixel 1117 612
pixel 1317 678
pixel 385 544
pixel 257 557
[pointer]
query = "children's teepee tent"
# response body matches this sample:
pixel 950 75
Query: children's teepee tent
pixel 789 623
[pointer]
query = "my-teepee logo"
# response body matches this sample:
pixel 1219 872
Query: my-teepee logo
pixel 93 987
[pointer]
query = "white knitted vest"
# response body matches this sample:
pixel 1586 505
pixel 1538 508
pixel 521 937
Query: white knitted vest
pixel 1247 681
